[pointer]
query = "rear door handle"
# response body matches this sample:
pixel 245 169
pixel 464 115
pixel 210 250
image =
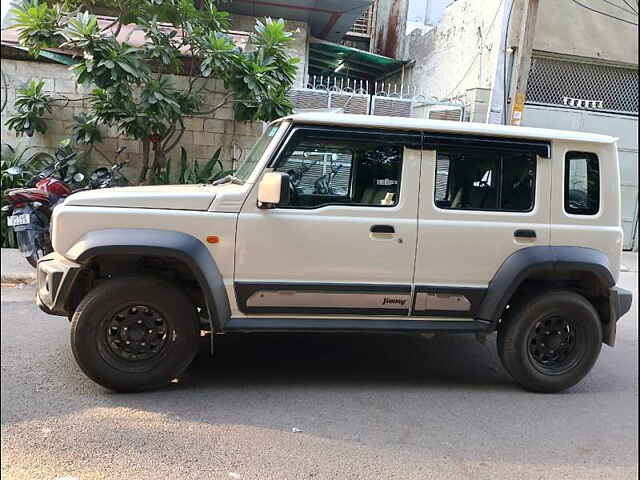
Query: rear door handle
pixel 382 229
pixel 524 234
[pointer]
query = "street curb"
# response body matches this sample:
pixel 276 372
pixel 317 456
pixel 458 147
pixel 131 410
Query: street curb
pixel 15 268
pixel 27 279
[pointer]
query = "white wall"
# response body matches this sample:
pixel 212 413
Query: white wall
pixel 566 28
pixel 460 53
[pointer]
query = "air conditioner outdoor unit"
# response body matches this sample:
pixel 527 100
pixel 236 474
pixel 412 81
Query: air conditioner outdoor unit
pixel 445 112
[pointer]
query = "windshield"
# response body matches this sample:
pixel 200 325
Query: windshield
pixel 247 167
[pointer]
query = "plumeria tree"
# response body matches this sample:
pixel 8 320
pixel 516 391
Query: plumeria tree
pixel 130 87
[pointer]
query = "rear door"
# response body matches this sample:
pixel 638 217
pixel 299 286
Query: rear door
pixel 478 205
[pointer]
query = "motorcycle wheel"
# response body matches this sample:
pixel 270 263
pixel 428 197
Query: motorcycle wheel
pixel 33 260
pixel 36 252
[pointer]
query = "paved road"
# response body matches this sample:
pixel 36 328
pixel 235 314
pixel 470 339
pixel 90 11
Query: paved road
pixel 369 407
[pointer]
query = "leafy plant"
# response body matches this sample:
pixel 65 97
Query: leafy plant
pixel 38 23
pixel 188 37
pixel 29 162
pixel 85 130
pixel 31 105
pixel 193 173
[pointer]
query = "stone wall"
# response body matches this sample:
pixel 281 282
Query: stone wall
pixel 203 135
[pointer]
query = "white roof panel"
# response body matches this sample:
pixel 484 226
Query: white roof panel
pixel 444 126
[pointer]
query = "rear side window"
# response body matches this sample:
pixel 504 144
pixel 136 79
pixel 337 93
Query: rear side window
pixel 494 181
pixel 582 183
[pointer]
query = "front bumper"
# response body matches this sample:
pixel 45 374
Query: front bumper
pixel 55 278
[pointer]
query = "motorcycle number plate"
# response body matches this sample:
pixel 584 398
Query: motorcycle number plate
pixel 16 220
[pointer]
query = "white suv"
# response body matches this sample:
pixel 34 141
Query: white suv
pixel 341 223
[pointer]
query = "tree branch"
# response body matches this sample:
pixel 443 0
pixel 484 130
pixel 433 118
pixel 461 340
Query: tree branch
pixel 174 144
pixel 225 100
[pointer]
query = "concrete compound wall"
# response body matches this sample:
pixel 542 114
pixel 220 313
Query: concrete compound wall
pixel 564 27
pixel 458 57
pixel 203 135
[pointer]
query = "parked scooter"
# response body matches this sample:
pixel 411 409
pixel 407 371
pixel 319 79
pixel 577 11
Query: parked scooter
pixel 30 208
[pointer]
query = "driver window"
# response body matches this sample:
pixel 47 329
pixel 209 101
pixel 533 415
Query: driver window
pixel 325 170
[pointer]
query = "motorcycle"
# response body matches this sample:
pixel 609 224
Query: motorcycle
pixel 30 208
pixel 105 177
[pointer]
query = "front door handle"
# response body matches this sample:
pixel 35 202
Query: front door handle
pixel 382 229
pixel 530 234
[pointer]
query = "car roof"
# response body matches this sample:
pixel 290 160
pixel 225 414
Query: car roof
pixel 445 126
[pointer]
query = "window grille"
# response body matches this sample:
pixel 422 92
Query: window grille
pixel 363 24
pixel 585 86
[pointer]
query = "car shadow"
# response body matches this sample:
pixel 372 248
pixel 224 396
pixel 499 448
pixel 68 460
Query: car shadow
pixel 288 359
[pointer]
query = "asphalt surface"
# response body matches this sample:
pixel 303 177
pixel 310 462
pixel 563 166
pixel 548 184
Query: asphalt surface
pixel 369 407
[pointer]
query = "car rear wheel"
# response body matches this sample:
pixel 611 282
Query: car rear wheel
pixel 550 342
pixel 135 333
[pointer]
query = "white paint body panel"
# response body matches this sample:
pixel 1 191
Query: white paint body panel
pixel 71 223
pixel 173 197
pixel 333 244
pixel 466 248
pixel 330 244
pixel 444 126
pixel 602 231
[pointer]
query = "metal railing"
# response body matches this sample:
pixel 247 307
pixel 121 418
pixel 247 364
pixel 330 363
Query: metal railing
pixel 346 95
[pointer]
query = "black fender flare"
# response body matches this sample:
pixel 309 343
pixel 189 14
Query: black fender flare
pixel 531 261
pixel 161 243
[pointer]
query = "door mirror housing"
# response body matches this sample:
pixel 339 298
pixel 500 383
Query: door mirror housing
pixel 274 190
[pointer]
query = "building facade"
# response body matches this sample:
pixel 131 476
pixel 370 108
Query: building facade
pixel 583 73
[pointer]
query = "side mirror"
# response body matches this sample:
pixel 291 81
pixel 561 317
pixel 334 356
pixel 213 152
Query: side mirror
pixel 274 190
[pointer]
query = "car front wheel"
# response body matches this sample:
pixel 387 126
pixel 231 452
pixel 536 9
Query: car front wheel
pixel 551 341
pixel 135 333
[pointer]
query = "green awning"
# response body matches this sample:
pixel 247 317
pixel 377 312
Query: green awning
pixel 326 58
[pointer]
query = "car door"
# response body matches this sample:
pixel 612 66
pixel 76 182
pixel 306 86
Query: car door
pixel 479 204
pixel 345 245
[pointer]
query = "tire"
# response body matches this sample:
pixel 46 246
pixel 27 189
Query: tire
pixel 33 260
pixel 38 250
pixel 548 343
pixel 156 318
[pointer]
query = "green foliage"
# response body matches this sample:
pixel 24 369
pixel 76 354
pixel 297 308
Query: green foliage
pixel 31 105
pixel 85 130
pixel 30 162
pixel 266 74
pixel 38 23
pixel 106 62
pixel 193 173
pixel 131 92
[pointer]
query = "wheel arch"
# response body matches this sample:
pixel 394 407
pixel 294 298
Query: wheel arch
pixel 584 267
pixel 178 246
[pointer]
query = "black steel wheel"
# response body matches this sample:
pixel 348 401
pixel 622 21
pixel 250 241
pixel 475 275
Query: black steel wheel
pixel 553 344
pixel 549 342
pixel 135 333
